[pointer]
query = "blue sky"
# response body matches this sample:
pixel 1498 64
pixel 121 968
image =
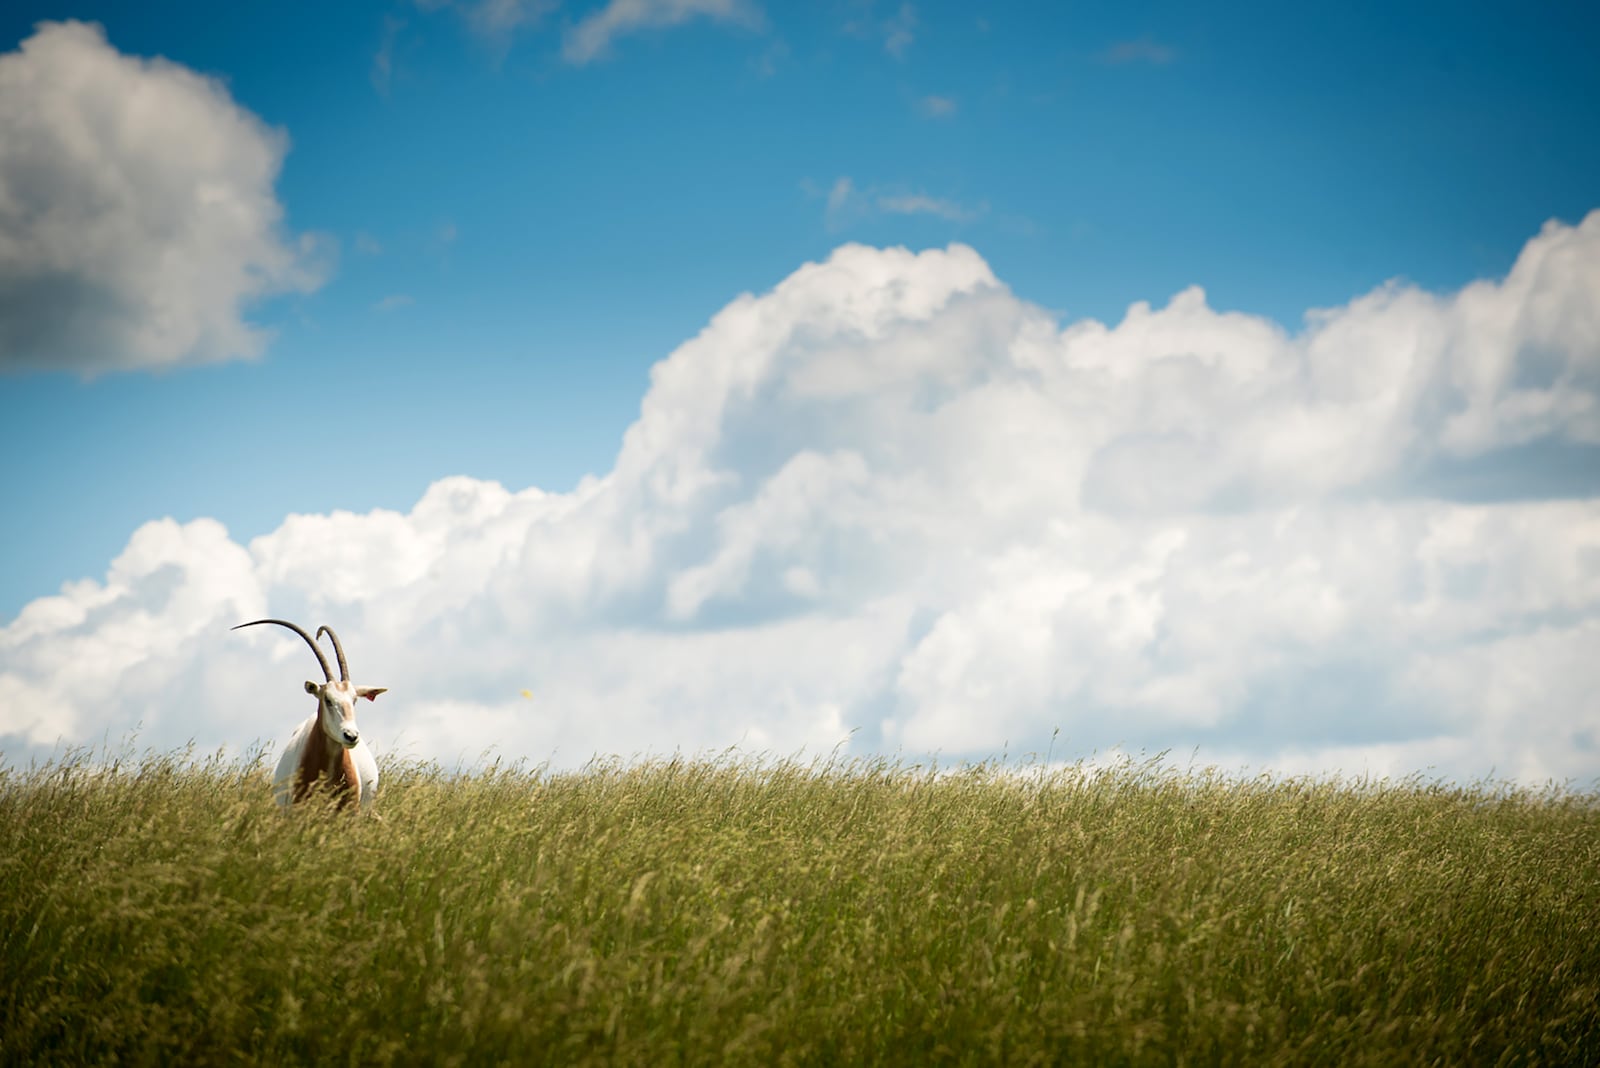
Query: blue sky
pixel 497 220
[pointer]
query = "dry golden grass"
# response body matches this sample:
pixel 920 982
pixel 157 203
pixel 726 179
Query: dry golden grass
pixel 759 913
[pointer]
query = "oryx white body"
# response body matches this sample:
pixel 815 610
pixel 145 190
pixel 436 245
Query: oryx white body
pixel 362 768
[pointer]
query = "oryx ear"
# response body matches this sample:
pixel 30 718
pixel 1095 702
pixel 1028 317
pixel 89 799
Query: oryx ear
pixel 371 692
pixel 311 687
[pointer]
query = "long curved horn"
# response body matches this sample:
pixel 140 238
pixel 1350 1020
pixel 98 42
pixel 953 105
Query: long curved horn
pixel 338 650
pixel 327 672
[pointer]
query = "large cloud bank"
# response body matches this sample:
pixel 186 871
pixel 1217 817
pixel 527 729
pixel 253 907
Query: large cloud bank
pixel 137 213
pixel 890 505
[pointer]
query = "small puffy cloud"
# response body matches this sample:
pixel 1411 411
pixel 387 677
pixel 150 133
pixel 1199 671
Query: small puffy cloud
pixel 771 59
pixel 900 31
pixel 890 505
pixel 841 200
pixel 847 203
pixel 937 107
pixel 382 73
pixel 592 36
pixel 497 22
pixel 498 17
pixel 897 31
pixel 922 204
pixel 494 21
pixel 137 212
pixel 1138 50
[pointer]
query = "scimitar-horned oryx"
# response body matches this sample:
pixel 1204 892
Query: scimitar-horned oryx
pixel 327 747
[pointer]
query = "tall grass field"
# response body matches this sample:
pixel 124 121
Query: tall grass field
pixel 842 912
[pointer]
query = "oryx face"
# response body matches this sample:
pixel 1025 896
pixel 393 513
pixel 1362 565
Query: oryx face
pixel 336 710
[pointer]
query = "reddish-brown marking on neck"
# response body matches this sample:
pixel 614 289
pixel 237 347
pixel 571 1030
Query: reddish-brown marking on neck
pixel 322 760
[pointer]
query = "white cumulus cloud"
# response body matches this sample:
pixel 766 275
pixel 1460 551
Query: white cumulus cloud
pixel 137 212
pixel 890 505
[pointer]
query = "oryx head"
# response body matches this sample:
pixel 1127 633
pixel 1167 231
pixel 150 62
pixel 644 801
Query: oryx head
pixel 336 699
